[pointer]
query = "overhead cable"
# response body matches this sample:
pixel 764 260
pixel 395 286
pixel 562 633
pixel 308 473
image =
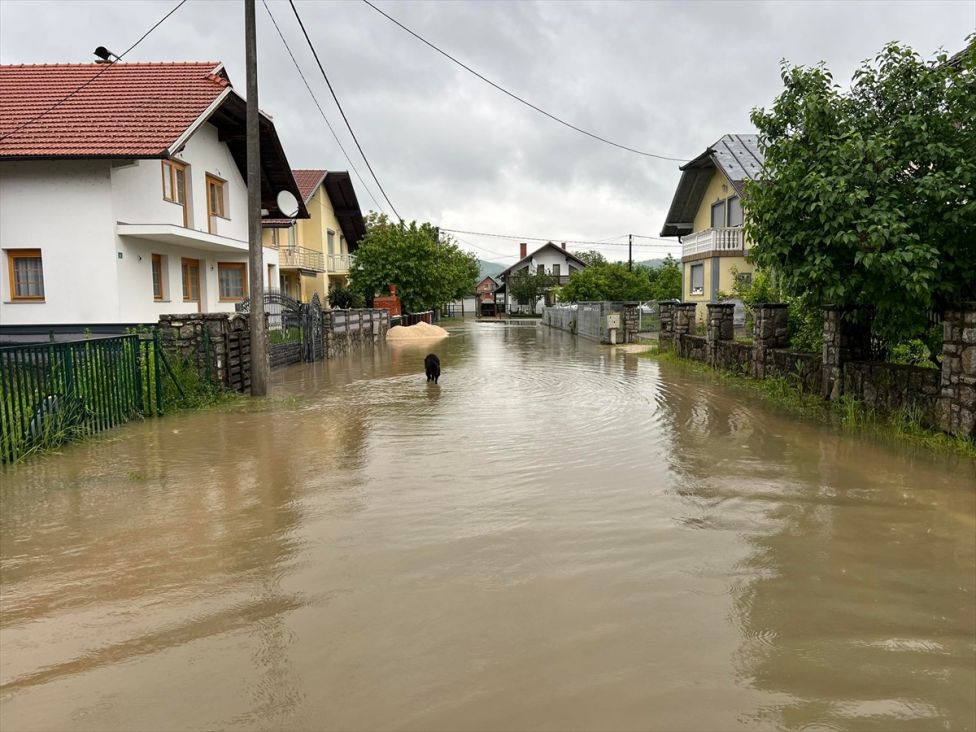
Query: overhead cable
pixel 517 97
pixel 555 240
pixel 118 58
pixel 341 111
pixel 321 111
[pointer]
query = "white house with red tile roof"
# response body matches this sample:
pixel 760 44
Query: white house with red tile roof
pixel 123 194
pixel 316 253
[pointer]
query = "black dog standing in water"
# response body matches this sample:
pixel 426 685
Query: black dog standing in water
pixel 432 365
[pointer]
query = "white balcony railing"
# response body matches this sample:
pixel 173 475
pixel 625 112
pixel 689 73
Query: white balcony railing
pixel 340 263
pixel 725 240
pixel 301 258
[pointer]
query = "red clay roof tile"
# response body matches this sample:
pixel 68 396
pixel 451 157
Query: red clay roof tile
pixel 308 180
pixel 126 110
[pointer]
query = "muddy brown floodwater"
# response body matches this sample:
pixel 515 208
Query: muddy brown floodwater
pixel 556 537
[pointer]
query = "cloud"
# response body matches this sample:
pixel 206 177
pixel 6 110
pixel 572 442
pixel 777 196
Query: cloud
pixel 662 77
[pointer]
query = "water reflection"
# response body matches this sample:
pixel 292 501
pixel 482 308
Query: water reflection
pixel 555 536
pixel 855 594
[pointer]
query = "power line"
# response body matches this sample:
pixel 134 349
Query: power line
pixel 321 111
pixel 344 118
pixel 107 67
pixel 554 240
pixel 517 97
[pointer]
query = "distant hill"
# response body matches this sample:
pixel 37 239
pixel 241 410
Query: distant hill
pixel 489 269
pixel 653 263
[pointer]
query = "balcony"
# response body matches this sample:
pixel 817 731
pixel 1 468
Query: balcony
pixel 295 257
pixel 340 263
pixel 181 236
pixel 722 242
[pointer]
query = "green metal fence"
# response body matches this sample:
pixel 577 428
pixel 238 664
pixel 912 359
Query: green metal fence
pixel 54 392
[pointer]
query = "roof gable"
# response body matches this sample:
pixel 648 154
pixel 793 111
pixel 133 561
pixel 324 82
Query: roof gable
pixel 122 110
pixel 569 256
pixel 737 157
pixel 132 110
pixel 308 181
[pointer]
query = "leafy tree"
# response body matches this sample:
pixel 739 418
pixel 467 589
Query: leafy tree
pixel 869 195
pixel 666 280
pixel 591 257
pixel 344 297
pixel 526 287
pixel 607 281
pixel 427 273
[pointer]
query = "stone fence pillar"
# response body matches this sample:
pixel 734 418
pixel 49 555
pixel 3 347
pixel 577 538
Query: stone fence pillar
pixel 770 330
pixel 665 338
pixel 846 337
pixel 719 327
pixel 955 409
pixel 684 318
pixel 631 318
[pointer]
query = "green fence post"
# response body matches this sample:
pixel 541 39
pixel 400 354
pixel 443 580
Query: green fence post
pixel 158 372
pixel 138 367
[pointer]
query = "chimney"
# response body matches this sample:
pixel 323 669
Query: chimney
pixel 564 246
pixel 523 250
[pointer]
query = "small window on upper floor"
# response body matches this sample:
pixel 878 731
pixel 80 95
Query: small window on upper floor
pixel 735 211
pixel 216 201
pixel 26 274
pixel 718 215
pixel 174 184
pixel 541 269
pixel 555 270
pixel 331 240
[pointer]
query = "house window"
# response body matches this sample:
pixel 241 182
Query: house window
pixel 216 203
pixel 26 274
pixel 718 214
pixel 541 269
pixel 698 279
pixel 174 184
pixel 293 236
pixel 331 238
pixel 555 270
pixel 191 280
pixel 232 278
pixel 159 276
pixel 271 277
pixel 735 211
pixel 745 279
pixel 342 244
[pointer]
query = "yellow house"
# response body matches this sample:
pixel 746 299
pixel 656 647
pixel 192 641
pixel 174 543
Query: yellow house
pixel 706 214
pixel 316 252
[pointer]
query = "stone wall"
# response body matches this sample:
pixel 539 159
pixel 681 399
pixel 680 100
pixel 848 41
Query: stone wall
pixel 956 403
pixel 888 387
pixel 945 399
pixel 204 339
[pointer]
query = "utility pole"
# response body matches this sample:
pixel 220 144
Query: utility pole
pixel 630 251
pixel 259 336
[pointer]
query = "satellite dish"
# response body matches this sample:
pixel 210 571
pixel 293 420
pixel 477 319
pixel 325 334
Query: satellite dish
pixel 287 203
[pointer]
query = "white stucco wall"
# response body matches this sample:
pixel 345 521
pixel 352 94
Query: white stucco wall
pixel 69 210
pixel 63 208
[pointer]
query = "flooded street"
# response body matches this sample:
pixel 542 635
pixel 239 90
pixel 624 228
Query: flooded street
pixel 555 537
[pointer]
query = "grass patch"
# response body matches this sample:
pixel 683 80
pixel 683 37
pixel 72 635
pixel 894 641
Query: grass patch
pixel 847 414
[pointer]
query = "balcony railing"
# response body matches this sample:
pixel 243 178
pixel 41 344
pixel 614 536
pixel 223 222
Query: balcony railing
pixel 340 263
pixel 726 240
pixel 301 258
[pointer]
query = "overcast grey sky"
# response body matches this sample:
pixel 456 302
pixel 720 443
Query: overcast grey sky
pixel 665 77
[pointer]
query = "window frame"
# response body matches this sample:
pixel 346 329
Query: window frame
pixel 242 266
pixel 169 169
pixel 216 182
pixel 728 211
pixel 12 256
pixel 157 277
pixel 691 279
pixel 184 261
pixel 330 241
pixel 725 213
